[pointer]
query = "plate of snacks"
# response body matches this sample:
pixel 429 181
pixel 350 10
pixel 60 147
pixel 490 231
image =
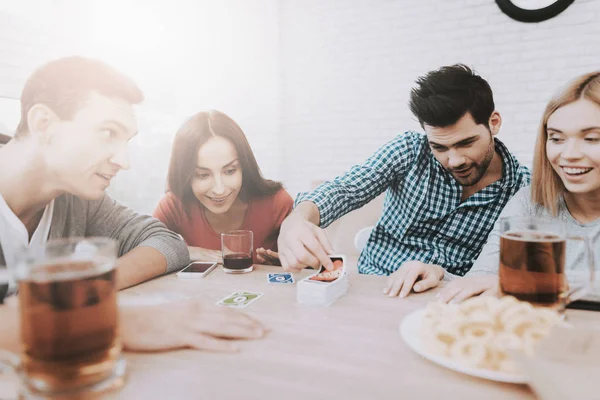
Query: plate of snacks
pixel 476 336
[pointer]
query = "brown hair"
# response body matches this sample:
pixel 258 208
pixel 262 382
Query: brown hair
pixel 65 84
pixel 192 135
pixel 546 185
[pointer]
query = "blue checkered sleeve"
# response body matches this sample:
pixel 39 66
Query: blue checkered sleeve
pixel 362 183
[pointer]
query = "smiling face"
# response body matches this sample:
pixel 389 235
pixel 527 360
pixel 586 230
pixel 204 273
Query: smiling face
pixel 464 149
pixel 85 152
pixel 218 177
pixel 573 146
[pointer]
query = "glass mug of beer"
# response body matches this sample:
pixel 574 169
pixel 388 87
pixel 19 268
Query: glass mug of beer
pixel 532 262
pixel 69 319
pixel 236 247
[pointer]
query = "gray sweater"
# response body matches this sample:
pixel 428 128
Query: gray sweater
pixel 75 217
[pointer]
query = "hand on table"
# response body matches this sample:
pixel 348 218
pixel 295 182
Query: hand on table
pixel 267 257
pixel 303 244
pixel 188 323
pixel 413 275
pixel 463 288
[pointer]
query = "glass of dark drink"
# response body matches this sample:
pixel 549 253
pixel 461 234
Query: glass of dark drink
pixel 532 262
pixel 237 247
pixel 69 319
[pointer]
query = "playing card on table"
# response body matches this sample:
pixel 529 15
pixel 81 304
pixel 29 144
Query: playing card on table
pixel 239 299
pixel 324 287
pixel 280 278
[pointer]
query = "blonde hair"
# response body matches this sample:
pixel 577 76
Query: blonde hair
pixel 546 185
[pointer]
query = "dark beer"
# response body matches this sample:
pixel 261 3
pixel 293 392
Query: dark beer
pixel 532 267
pixel 69 325
pixel 237 261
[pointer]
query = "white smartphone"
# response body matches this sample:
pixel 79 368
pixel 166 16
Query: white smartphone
pixel 197 269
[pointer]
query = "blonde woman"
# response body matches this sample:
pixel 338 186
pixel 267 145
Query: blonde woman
pixel 565 184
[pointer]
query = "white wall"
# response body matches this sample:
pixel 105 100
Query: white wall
pixel 348 65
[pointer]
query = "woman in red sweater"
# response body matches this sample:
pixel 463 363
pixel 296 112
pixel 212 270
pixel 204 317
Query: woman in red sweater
pixel 215 185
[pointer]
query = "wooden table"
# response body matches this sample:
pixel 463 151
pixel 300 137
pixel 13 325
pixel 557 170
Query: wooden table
pixel 349 350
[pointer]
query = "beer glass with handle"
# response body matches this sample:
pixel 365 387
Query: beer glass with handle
pixel 533 253
pixel 69 319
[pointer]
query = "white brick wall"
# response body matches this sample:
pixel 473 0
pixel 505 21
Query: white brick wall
pixel 29 37
pixel 347 67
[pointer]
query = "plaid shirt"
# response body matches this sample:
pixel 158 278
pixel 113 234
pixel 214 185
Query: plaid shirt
pixel 423 217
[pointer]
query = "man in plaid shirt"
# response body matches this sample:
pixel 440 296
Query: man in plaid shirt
pixel 445 190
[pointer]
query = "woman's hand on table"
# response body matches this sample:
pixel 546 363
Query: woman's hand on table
pixel 188 323
pixel 413 275
pixel 267 257
pixel 463 288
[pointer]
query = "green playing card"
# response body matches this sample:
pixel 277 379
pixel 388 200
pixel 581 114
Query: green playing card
pixel 239 299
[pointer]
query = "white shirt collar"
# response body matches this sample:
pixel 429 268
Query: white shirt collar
pixel 14 236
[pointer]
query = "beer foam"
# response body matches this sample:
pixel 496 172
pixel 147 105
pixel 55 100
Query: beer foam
pixel 70 268
pixel 526 235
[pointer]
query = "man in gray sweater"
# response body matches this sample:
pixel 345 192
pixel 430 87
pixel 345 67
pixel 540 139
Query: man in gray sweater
pixel 77 117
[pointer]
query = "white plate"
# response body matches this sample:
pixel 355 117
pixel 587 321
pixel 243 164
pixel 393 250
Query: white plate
pixel 409 329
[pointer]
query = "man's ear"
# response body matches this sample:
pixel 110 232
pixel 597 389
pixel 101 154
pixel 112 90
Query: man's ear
pixel 495 123
pixel 39 119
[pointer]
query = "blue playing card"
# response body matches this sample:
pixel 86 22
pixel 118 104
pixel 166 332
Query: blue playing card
pixel 280 278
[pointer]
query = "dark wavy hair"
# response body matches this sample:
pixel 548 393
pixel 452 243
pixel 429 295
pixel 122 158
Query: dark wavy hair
pixel 192 135
pixel 443 96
